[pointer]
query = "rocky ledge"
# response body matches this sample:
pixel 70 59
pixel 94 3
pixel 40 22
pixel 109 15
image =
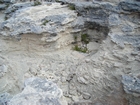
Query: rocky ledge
pixel 36 91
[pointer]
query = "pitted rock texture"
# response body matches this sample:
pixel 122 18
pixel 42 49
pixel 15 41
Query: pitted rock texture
pixel 48 18
pixel 51 20
pixel 131 85
pixel 39 92
pixel 88 78
pixel 5 98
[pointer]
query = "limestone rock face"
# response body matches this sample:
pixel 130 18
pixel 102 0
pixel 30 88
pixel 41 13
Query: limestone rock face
pixel 131 85
pixel 5 98
pixel 17 6
pixel 39 92
pixel 2 6
pixel 51 20
pixel 130 6
pixel 48 18
pixel 40 41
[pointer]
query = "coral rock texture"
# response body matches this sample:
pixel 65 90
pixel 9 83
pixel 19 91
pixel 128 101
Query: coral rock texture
pixel 40 41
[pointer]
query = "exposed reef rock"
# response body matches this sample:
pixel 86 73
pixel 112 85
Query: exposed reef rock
pixel 39 92
pixel 131 85
pixel 51 18
pixel 5 98
pixel 90 49
pixel 130 6
pixel 2 6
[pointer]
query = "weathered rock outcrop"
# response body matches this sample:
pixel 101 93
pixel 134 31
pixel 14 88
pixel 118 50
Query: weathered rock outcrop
pixel 39 92
pixel 51 18
pixel 38 41
pixel 131 85
pixel 2 6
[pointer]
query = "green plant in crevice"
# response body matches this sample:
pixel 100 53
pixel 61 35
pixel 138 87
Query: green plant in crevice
pixel 71 7
pixel 57 1
pixel 7 5
pixel 84 41
pixel 5 17
pixel 84 38
pixel 36 3
pixel 77 48
pixel 75 38
pixel 45 22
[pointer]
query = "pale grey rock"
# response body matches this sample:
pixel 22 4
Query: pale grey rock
pixel 86 96
pixel 39 92
pixel 132 18
pixel 6 1
pixel 98 103
pixel 87 60
pixel 17 6
pixel 82 80
pixel 5 98
pixel 93 46
pixel 114 20
pixel 82 103
pixel 70 77
pixel 98 16
pixel 75 98
pixel 92 72
pixel 38 20
pixel 131 85
pixel 129 39
pixel 130 6
pixel 79 23
pixel 127 28
pixel 2 60
pixel 14 7
pixel 3 70
pixel 2 6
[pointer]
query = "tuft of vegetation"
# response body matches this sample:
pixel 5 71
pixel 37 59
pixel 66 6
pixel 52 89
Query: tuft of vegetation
pixel 71 7
pixel 57 1
pixel 75 38
pixel 7 5
pixel 45 22
pixel 84 38
pixel 5 17
pixel 36 3
pixel 77 48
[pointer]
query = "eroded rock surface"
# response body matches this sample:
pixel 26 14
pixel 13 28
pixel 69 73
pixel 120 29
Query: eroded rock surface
pixel 39 92
pixel 131 85
pixel 38 41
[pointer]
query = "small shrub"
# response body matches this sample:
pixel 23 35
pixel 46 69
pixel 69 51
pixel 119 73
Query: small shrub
pixel 37 3
pixel 75 38
pixel 57 1
pixel 44 23
pixel 77 48
pixel 5 18
pixel 71 7
pixel 7 5
pixel 84 38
